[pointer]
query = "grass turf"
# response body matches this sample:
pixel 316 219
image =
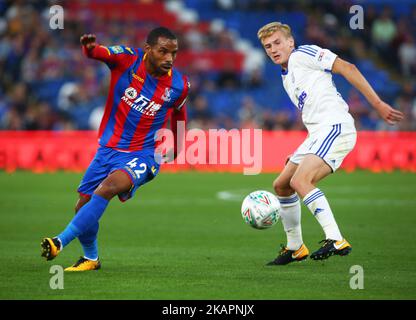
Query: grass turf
pixel 182 237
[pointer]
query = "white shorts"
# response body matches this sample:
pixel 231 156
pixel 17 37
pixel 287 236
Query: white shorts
pixel 331 143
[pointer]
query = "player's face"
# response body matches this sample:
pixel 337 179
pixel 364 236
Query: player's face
pixel 278 47
pixel 162 54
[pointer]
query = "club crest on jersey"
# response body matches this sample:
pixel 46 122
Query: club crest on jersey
pixel 166 97
pixel 140 103
pixel 131 93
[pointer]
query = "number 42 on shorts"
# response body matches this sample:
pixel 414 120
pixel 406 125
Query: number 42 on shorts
pixel 133 164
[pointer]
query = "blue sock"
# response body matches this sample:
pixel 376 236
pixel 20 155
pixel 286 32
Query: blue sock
pixel 88 242
pixel 86 217
pixel 90 250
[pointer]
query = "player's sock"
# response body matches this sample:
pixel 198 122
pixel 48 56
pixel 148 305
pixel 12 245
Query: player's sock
pixel 91 250
pixel 319 206
pixel 88 242
pixel 290 214
pixel 86 217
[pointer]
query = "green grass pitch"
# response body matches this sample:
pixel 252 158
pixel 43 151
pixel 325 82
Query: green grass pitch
pixel 182 237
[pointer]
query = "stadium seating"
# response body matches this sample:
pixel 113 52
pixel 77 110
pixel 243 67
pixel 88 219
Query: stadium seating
pixel 128 21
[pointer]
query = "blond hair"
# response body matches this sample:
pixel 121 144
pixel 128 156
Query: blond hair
pixel 272 27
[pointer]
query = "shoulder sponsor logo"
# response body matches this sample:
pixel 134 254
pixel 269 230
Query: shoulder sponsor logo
pixel 120 49
pixel 116 49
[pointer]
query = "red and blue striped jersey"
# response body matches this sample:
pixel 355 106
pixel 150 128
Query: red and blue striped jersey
pixel 138 104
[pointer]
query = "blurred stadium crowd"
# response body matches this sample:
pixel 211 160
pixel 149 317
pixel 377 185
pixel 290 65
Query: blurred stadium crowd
pixel 46 83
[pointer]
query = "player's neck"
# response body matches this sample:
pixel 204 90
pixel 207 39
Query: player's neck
pixel 150 69
pixel 285 64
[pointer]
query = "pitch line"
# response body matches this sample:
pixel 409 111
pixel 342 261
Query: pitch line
pixel 238 195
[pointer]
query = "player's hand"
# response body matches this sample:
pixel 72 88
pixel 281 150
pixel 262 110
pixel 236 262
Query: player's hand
pixel 388 114
pixel 88 40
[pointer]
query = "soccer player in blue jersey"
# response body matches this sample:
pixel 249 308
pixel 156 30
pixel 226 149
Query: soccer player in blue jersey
pixel 145 91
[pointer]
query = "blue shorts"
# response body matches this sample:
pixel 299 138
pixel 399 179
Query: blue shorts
pixel 140 166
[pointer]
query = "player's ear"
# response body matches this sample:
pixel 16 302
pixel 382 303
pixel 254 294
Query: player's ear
pixel 292 42
pixel 147 47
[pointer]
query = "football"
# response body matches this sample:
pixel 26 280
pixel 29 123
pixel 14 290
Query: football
pixel 260 209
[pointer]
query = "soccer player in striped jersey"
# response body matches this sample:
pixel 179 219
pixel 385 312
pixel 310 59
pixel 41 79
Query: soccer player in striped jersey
pixel 307 79
pixel 145 91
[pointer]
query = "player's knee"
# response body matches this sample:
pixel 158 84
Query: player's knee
pixel 107 189
pixel 281 188
pixel 78 206
pixel 296 183
pixel 277 186
pixel 81 202
pixel 116 183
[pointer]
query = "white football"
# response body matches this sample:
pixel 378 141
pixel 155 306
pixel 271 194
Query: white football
pixel 260 209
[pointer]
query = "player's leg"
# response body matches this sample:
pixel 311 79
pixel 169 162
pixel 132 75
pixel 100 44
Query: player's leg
pixel 86 220
pixel 97 171
pixel 324 155
pixel 52 246
pixel 91 212
pixel 83 199
pixel 127 173
pixel 290 215
pixel 88 239
pixel 311 170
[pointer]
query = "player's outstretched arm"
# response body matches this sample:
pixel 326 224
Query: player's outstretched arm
pixel 350 72
pixel 91 48
pixel 116 56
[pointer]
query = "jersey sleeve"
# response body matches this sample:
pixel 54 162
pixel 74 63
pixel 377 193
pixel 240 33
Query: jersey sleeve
pixel 180 102
pixel 114 56
pixel 315 57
